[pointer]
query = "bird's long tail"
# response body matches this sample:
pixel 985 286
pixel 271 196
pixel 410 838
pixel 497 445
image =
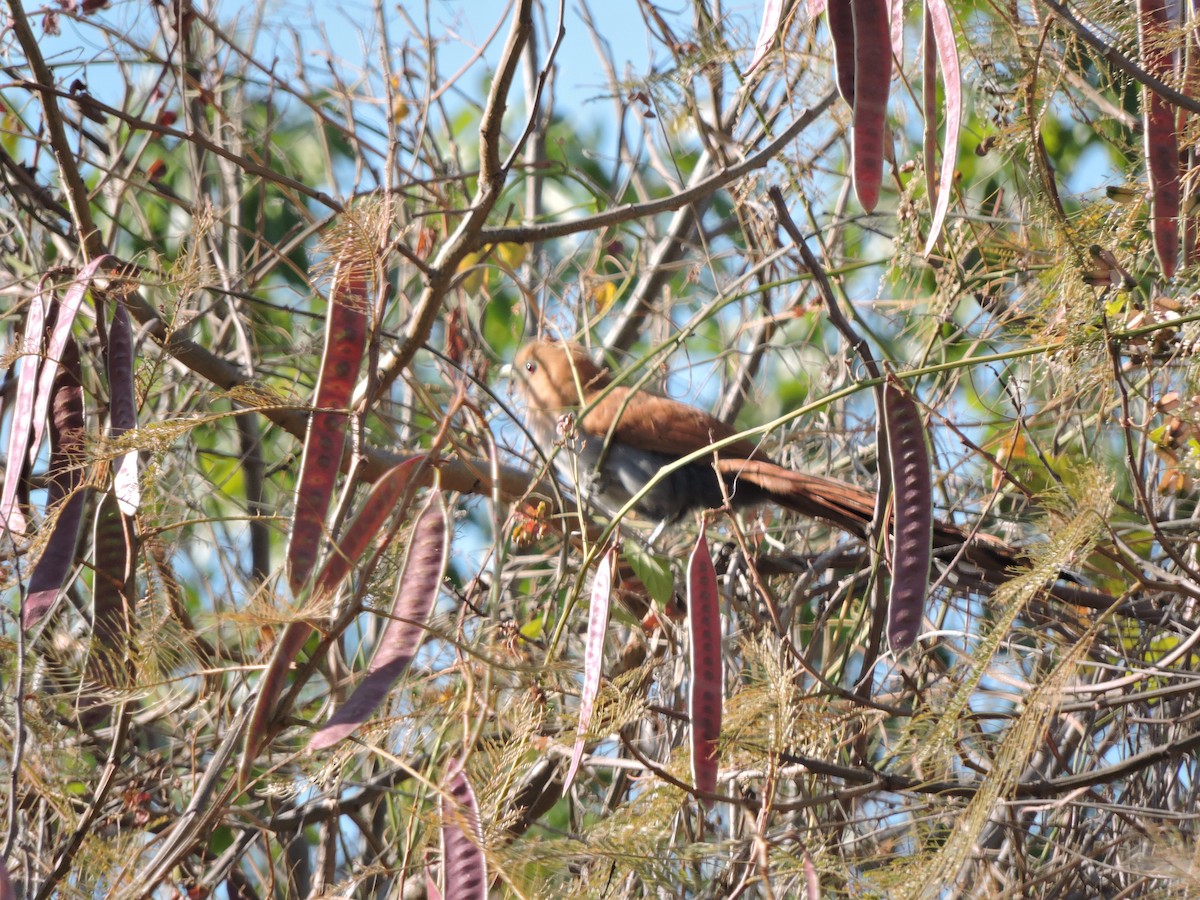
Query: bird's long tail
pixel 839 503
pixel 851 508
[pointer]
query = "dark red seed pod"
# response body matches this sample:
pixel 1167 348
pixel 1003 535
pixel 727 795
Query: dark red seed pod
pixel 912 486
pixel 707 672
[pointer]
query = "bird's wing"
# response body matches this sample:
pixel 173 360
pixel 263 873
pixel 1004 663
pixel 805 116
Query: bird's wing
pixel 650 422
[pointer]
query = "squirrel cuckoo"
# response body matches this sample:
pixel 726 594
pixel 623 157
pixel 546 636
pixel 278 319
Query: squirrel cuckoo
pixel 626 437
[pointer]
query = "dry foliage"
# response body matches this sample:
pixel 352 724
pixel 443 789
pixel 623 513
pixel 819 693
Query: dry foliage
pixel 279 243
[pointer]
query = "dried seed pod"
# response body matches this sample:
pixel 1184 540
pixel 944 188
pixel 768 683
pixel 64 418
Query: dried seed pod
pixel 346 331
pixel 912 486
pixel 707 674
pixel 1162 142
pixel 463 863
pixel 593 659
pixel 872 81
pixel 416 592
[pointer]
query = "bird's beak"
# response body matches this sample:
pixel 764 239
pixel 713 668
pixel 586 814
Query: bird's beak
pixel 506 371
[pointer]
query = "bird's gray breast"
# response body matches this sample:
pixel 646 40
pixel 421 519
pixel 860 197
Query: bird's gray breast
pixel 611 476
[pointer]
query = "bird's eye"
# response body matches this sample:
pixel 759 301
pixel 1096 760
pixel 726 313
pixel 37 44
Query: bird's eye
pixel 531 366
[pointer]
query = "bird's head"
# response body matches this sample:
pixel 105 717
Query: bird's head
pixel 557 375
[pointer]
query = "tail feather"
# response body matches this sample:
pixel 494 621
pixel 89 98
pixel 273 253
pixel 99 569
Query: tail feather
pixel 837 502
pixel 852 508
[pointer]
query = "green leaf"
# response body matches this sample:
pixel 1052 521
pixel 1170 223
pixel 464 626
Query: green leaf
pixel 654 571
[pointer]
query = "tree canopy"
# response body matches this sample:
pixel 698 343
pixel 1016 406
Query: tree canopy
pixel 294 604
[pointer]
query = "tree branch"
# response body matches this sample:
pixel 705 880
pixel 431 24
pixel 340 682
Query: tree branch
pixel 1120 60
pixel 468 236
pixel 77 193
pixel 524 234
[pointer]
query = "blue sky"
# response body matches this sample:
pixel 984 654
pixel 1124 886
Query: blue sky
pixel 349 34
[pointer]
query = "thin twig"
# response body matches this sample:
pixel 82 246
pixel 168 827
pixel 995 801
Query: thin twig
pixel 1120 60
pixel 630 211
pixel 77 192
pixel 863 350
pixel 469 235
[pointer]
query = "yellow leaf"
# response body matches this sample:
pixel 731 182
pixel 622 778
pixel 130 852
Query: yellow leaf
pixel 1174 481
pixel 10 128
pixel 512 255
pixel 470 264
pixel 603 296
pixel 1011 447
pixel 533 631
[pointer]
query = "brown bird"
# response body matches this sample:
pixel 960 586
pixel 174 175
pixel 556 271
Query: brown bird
pixel 625 438
pixel 651 432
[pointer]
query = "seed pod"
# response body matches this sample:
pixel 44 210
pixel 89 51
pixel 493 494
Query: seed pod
pixel 122 409
pixel 872 81
pixel 371 530
pixel 707 674
pixel 912 486
pixel 593 658
pixel 346 328
pixel 63 317
pixel 840 17
pixel 939 36
pixel 1162 144
pixel 772 16
pixel 463 863
pixel 416 592
pixel 21 421
pixel 270 686
pixel 114 559
pixel 67 455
